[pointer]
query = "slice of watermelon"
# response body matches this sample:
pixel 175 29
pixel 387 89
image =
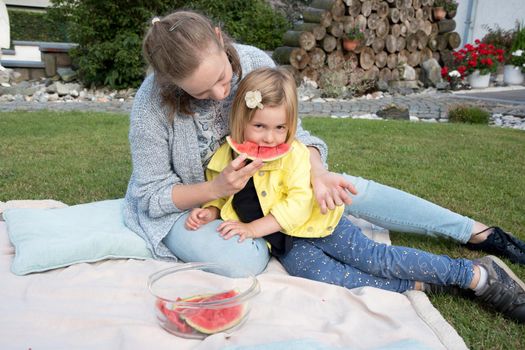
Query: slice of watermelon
pixel 254 151
pixel 218 319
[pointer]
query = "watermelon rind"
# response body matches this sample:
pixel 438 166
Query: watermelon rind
pixel 258 152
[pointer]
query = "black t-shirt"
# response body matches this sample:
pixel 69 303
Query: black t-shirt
pixel 246 205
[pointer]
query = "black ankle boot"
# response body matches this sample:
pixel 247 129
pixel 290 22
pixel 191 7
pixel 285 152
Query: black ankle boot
pixel 503 244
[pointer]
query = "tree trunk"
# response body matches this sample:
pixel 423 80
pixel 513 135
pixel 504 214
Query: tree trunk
pixel 281 54
pixel 367 58
pixel 305 40
pixel 402 57
pixel 412 42
pixel 373 21
pixel 381 59
pixel 366 8
pixel 338 10
pixel 317 30
pixel 391 61
pixel 335 60
pixel 383 10
pixel 454 40
pixel 312 15
pixel 317 58
pixel 354 9
pixel 323 4
pixel 348 23
pixel 414 58
pixel 310 73
pixel 336 29
pixel 446 25
pixel 299 58
pixel 422 39
pixel 329 43
pixel 378 45
pixel 391 43
pixel 401 43
pixel 385 74
pixel 383 28
pixel 394 15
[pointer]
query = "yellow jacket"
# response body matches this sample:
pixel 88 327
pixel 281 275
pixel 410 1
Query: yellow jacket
pixel 284 190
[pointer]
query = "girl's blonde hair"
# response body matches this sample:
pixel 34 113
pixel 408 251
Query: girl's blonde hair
pixel 175 46
pixel 277 87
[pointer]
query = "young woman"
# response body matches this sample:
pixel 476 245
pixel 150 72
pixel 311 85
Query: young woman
pixel 180 117
pixel 278 204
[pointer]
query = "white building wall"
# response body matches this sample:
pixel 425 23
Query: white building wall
pixel 28 3
pixel 487 12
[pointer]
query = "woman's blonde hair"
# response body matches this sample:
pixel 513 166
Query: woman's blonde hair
pixel 175 46
pixel 277 87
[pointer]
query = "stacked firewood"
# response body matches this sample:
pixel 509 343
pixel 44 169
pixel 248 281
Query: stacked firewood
pixel 395 32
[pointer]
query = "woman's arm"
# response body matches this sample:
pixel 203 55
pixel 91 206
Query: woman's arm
pixel 228 182
pixel 330 189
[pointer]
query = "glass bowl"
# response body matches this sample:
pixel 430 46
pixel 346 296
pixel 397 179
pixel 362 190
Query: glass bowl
pixel 195 300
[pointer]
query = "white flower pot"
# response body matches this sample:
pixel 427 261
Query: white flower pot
pixel 477 81
pixel 512 75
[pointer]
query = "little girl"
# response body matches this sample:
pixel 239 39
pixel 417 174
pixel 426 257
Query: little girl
pixel 278 204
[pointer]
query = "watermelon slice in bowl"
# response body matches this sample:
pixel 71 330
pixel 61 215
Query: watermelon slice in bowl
pixel 195 300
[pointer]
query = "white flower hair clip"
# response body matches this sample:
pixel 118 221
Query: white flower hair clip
pixel 155 20
pixel 253 99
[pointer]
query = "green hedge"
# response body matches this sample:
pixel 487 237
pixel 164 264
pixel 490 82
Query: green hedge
pixel 110 33
pixel 35 26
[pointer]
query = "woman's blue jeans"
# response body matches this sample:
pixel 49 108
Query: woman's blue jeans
pixel 349 259
pixel 379 204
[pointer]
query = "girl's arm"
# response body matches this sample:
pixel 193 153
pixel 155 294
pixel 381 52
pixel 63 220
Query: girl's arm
pixel 255 229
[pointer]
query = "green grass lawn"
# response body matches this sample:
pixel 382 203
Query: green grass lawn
pixel 475 170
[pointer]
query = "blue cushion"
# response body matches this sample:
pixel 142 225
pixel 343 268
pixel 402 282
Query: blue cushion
pixel 46 239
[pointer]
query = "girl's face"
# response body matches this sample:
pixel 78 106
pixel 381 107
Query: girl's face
pixel 212 79
pixel 268 126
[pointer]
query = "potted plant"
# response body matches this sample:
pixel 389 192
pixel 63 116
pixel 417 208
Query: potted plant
pixel 515 67
pixel 451 8
pixel 438 10
pixel 477 62
pixel 353 38
pixel 501 39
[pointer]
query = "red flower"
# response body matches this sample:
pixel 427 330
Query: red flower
pixel 480 57
pixel 444 72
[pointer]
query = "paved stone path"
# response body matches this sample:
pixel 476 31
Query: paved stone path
pixel 427 105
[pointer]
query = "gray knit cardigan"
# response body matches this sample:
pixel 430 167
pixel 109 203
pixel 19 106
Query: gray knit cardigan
pixel 167 154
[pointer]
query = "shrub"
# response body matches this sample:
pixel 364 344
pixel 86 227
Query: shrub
pixel 468 114
pixel 110 33
pixel 35 26
pixel 251 22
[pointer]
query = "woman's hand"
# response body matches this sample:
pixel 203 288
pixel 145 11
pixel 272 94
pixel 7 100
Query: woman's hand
pixel 331 190
pixel 235 176
pixel 201 216
pixel 230 228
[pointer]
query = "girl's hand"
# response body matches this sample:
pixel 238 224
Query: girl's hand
pixel 235 176
pixel 230 228
pixel 331 190
pixel 200 216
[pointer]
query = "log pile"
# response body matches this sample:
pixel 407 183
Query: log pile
pixel 396 32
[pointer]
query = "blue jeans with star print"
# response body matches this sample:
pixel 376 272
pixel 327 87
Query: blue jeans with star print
pixel 350 259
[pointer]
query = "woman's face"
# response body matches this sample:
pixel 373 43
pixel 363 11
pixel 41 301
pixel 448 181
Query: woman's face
pixel 212 78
